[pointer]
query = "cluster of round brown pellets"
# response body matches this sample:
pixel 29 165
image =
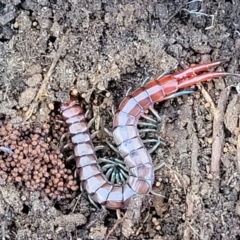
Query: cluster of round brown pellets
pixel 29 156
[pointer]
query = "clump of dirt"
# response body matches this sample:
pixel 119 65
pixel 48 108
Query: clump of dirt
pixel 103 49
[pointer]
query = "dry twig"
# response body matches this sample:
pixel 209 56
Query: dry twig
pixel 218 130
pixel 238 148
pixel 47 77
pixel 191 196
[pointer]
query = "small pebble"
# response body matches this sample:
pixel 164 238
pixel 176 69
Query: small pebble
pixel 197 95
pixel 225 149
pixel 158 184
pixel 108 94
pixel 35 23
pixel 158 227
pixel 83 95
pixel 74 92
pixel 15 25
pixel 51 106
pixel 207 105
pixel 210 140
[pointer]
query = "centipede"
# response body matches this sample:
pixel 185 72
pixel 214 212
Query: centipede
pixel 126 136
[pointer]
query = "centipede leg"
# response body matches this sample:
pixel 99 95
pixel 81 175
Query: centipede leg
pixel 157 194
pixel 93 135
pixel 149 118
pixel 93 203
pixel 155 113
pixel 116 162
pixel 128 91
pixel 178 94
pixel 6 150
pixel 61 142
pixel 157 143
pixel 118 212
pixel 112 147
pixel 148 78
pixel 70 158
pixel 155 169
pixel 147 130
pixel 109 132
pixel 82 190
pixel 145 81
pixel 115 170
pixel 68 145
pixel 140 123
pixel 90 123
pixel 100 147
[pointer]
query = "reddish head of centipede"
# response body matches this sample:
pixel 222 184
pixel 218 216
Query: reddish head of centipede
pixel 125 133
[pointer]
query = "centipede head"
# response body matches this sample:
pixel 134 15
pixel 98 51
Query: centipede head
pixel 59 107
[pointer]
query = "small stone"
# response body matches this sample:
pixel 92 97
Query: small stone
pixel 207 105
pixel 158 184
pixel 74 92
pixel 225 149
pixel 15 25
pixel 158 227
pixel 210 140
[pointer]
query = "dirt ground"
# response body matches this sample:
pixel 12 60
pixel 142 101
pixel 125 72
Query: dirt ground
pixel 103 48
